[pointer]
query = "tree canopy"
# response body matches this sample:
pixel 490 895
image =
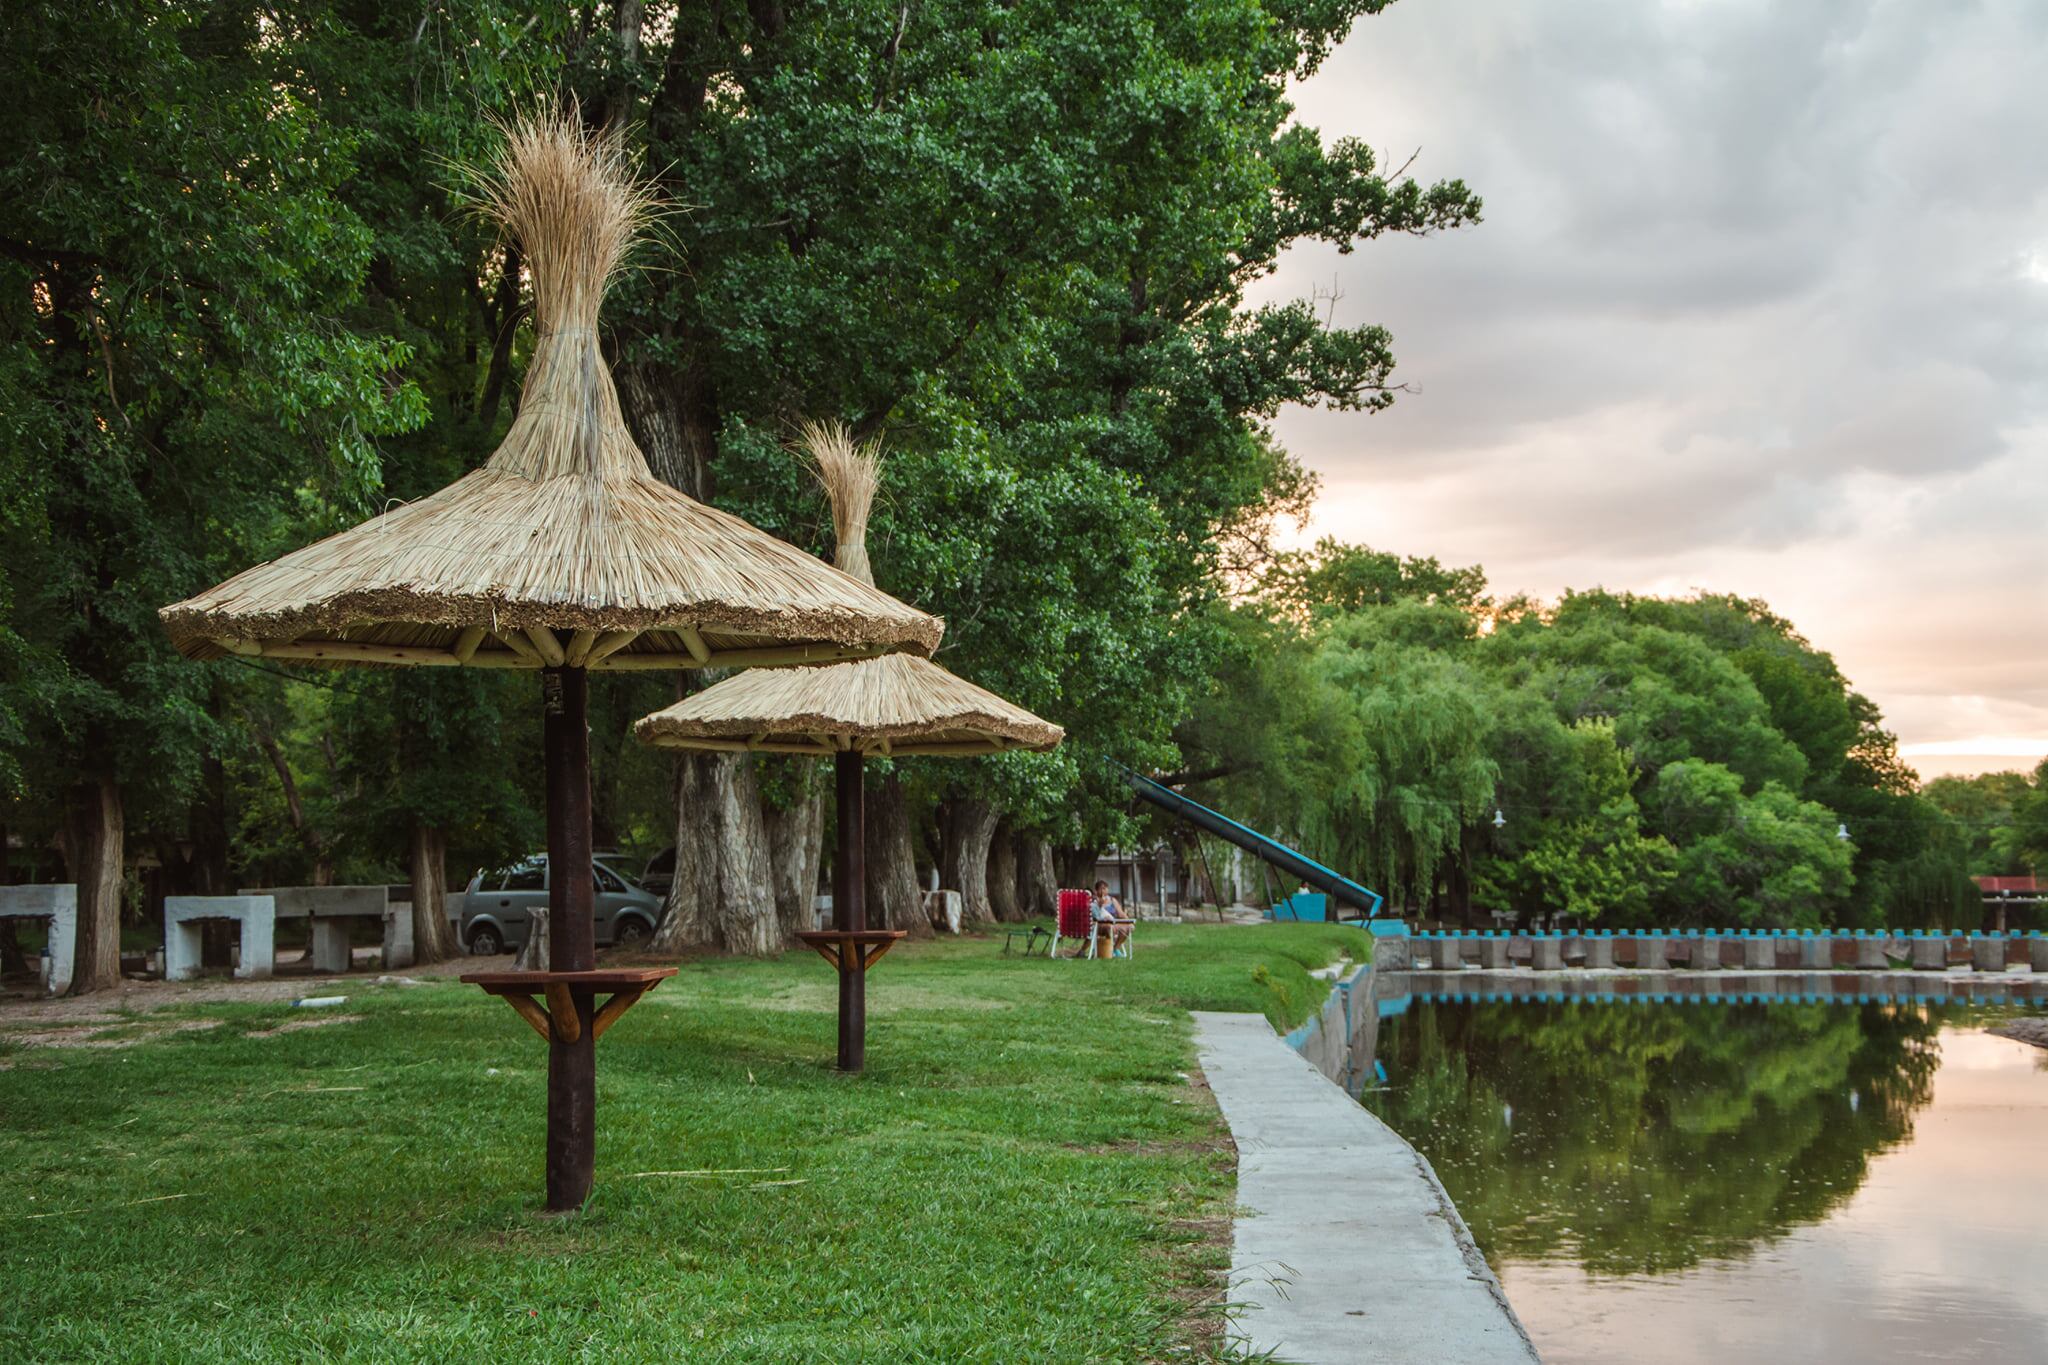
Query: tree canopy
pixel 1614 758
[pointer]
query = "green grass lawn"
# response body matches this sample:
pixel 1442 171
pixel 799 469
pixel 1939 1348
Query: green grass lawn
pixel 1024 1173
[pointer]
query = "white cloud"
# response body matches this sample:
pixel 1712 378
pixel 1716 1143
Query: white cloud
pixel 1756 308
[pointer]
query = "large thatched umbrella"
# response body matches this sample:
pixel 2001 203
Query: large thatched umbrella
pixel 562 554
pixel 893 707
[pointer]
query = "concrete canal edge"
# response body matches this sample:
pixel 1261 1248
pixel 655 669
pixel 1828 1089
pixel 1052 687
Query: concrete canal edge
pixel 1345 1250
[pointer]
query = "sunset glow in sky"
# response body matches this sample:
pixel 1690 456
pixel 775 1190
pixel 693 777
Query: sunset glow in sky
pixel 1760 305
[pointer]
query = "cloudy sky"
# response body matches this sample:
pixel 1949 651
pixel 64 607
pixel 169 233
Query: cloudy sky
pixel 1760 305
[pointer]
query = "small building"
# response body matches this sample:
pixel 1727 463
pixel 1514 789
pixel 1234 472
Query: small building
pixel 1146 879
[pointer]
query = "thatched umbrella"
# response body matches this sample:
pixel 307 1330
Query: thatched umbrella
pixel 562 554
pixel 893 707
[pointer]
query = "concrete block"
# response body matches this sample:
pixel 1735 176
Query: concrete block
pixel 330 945
pixel 56 902
pixel 1816 952
pixel 1652 953
pixel 1600 952
pixel 1548 954
pixel 1930 954
pixel 2037 952
pixel 256 916
pixel 1987 953
pixel 1574 950
pixel 319 902
pixel 1707 954
pixel 398 947
pixel 1391 952
pixel 1759 953
pixel 1493 952
pixel 1870 954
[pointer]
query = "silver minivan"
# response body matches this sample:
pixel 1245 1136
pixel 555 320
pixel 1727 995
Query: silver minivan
pixel 497 906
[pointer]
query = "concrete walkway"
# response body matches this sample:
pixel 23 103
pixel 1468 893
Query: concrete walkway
pixel 1346 1248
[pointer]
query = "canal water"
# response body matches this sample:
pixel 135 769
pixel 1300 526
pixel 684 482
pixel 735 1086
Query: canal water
pixel 1791 1181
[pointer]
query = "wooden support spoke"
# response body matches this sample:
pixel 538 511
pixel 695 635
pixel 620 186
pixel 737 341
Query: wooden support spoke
pixel 613 1008
pixel 519 644
pixel 504 658
pixel 784 656
pixel 608 644
pixel 562 1005
pixel 964 748
pixel 235 646
pixel 645 663
pixel 467 642
pixel 694 642
pixel 529 1009
pixel 765 746
pixel 550 648
pixel 579 648
pixel 349 651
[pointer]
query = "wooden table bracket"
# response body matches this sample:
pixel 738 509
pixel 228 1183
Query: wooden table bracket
pixel 559 1019
pixel 856 949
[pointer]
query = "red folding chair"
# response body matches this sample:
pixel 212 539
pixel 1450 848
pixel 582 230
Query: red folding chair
pixel 1073 921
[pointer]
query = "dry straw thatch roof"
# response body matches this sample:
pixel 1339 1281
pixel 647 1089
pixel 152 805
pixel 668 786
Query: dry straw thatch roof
pixel 563 547
pixel 891 706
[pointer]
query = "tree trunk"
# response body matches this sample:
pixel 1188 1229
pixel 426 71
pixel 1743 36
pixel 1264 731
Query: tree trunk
pixel 432 939
pixel 12 960
pixel 205 873
pixel 796 849
pixel 966 827
pixel 313 841
pixel 724 892
pixel 1037 890
pixel 1002 876
pixel 1076 868
pixel 895 900
pixel 94 846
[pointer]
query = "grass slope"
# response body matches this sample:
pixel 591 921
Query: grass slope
pixel 1024 1172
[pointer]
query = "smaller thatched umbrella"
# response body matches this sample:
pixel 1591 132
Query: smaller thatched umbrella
pixel 892 707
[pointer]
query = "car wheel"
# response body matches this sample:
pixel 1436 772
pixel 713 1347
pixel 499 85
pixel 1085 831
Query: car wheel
pixel 486 941
pixel 632 934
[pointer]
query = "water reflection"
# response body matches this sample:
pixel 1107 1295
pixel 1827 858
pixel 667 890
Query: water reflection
pixel 1739 1181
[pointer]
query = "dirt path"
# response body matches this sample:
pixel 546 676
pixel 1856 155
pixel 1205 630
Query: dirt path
pixel 21 1010
pixel 2033 1031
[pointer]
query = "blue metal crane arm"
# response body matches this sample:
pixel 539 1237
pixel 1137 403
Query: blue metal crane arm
pixel 1267 850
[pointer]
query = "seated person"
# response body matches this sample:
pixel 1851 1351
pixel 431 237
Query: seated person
pixel 1105 909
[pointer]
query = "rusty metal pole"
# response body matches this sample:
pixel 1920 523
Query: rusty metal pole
pixel 849 908
pixel 572 942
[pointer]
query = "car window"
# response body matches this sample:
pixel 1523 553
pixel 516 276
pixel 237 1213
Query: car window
pixel 530 875
pixel 606 882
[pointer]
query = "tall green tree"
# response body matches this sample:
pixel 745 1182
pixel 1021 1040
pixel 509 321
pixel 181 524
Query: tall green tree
pixel 1016 238
pixel 176 259
pixel 1758 860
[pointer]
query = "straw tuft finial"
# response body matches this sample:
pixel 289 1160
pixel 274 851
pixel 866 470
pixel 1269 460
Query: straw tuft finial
pixel 850 472
pixel 576 206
